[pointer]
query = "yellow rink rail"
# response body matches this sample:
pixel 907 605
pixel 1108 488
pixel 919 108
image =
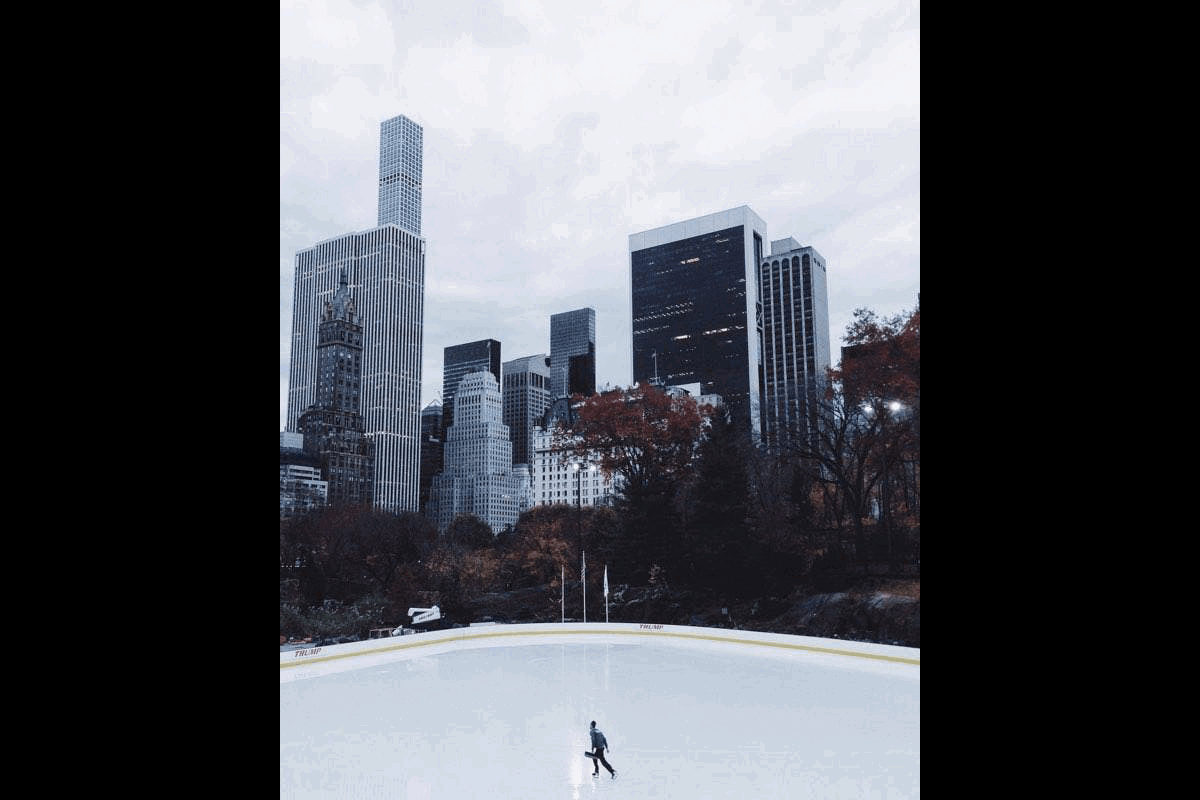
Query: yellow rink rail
pixel 305 657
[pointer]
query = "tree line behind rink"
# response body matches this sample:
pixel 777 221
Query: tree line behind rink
pixel 702 511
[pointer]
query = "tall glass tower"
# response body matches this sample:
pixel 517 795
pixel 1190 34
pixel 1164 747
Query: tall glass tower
pixel 401 144
pixel 385 269
pixel 573 353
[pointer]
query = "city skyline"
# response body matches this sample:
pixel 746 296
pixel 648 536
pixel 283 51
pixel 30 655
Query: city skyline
pixel 382 272
pixel 544 151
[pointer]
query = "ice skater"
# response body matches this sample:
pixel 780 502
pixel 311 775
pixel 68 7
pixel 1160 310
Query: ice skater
pixel 599 743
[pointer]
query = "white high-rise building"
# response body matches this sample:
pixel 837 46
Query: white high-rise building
pixel 386 277
pixel 477 475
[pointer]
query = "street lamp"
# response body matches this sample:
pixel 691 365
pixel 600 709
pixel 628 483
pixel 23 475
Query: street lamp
pixel 578 469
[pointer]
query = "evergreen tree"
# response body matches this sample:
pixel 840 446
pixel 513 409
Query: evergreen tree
pixel 649 530
pixel 717 540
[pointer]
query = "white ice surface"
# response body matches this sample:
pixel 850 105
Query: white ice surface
pixel 684 719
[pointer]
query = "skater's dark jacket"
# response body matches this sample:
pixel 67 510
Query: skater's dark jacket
pixel 598 739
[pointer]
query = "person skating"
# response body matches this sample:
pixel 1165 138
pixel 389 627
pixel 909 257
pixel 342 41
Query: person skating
pixel 599 743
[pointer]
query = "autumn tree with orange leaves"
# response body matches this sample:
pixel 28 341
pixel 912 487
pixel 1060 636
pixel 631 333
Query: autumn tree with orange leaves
pixel 641 433
pixel 868 449
pixel 649 438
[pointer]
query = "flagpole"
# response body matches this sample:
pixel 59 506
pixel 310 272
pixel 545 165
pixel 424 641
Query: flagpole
pixel 562 602
pixel 583 576
pixel 606 594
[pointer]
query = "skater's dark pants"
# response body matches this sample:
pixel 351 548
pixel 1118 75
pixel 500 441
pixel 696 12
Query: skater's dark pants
pixel 600 760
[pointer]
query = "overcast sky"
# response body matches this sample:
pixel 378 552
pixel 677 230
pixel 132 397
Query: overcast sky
pixel 556 128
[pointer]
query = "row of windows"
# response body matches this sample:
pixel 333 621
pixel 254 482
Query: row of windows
pixel 401 176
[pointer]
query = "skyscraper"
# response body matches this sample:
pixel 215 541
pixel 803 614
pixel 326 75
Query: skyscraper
pixel 333 426
pixel 460 360
pixel 710 307
pixel 526 396
pixel 401 148
pixel 431 447
pixel 795 324
pixel 385 267
pixel 477 475
pixel 573 353
pixel 693 319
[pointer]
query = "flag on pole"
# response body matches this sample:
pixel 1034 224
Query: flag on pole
pixel 583 569
pixel 606 610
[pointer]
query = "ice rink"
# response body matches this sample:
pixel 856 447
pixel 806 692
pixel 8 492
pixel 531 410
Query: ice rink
pixel 503 712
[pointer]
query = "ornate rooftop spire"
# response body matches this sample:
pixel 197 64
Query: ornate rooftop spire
pixel 342 306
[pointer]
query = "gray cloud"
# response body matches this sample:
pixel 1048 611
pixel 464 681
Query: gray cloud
pixel 553 131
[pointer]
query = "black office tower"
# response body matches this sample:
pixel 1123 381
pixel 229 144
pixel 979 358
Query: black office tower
pixel 460 360
pixel 431 447
pixel 693 319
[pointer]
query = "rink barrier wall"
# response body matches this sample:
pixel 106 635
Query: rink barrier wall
pixel 500 635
